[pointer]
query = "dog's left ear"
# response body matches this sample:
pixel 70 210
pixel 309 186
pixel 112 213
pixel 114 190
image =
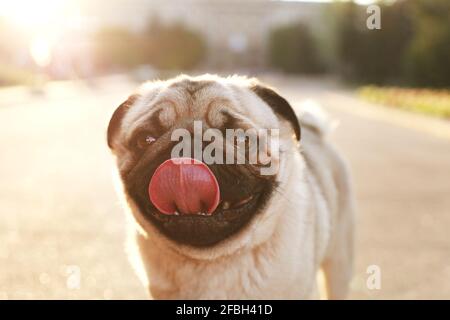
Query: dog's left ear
pixel 279 105
pixel 116 118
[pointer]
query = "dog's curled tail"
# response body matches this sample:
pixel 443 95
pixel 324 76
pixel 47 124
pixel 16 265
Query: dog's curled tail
pixel 311 115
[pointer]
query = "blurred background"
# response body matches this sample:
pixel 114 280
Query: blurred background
pixel 65 65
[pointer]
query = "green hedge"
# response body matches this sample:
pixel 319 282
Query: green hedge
pixel 434 102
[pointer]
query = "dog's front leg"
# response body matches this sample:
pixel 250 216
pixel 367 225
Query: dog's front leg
pixel 338 264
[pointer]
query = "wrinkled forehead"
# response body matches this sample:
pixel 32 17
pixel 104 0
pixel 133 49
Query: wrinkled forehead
pixel 198 99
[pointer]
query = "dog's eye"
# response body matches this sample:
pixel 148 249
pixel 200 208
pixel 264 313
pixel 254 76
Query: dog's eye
pixel 143 140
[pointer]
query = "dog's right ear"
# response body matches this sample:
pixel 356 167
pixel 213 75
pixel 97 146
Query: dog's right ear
pixel 116 119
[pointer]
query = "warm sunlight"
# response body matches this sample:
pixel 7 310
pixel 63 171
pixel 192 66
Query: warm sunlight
pixel 40 23
pixel 32 14
pixel 241 150
pixel 40 50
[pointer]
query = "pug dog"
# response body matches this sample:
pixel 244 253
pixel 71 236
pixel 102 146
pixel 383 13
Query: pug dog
pixel 202 230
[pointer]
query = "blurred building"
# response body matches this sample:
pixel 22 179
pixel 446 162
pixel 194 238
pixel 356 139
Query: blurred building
pixel 236 30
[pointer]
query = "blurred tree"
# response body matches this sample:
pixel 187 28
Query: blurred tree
pixel 14 58
pixel 292 49
pixel 3 41
pixel 428 60
pixel 173 46
pixel 373 56
pixel 117 48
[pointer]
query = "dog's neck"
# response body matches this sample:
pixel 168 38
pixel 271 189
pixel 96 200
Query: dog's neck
pixel 247 273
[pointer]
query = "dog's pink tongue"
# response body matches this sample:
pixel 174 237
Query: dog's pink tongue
pixel 185 186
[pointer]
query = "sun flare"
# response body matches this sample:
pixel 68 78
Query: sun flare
pixel 33 14
pixel 41 50
pixel 40 23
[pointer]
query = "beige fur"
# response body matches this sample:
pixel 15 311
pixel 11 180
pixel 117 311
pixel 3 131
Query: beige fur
pixel 307 225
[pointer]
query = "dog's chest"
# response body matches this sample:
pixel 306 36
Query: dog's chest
pixel 255 275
